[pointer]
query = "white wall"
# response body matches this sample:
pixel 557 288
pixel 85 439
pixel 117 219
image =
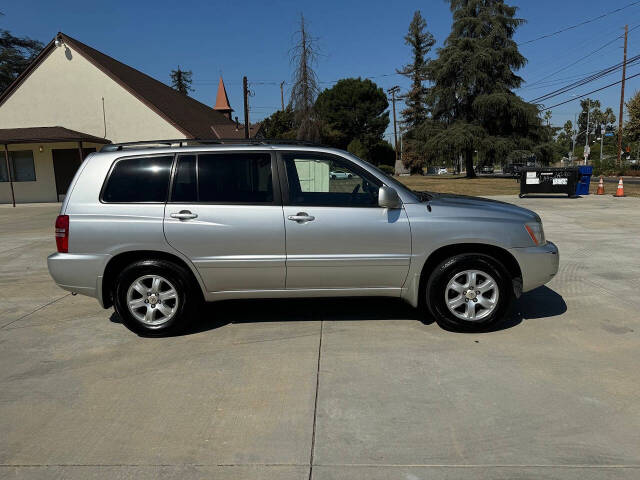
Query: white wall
pixel 313 175
pixel 66 90
pixel 44 187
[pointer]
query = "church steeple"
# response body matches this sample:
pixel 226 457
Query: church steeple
pixel 222 100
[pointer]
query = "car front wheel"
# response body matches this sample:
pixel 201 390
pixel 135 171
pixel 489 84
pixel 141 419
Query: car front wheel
pixel 469 292
pixel 152 297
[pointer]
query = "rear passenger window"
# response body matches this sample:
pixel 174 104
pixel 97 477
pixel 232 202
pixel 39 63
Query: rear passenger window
pixel 224 178
pixel 184 184
pixel 139 180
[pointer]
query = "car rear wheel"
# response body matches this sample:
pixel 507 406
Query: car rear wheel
pixel 152 297
pixel 469 292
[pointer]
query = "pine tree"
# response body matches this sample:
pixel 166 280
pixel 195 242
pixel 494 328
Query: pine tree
pixel 471 99
pixel 181 80
pixel 305 89
pixel 421 42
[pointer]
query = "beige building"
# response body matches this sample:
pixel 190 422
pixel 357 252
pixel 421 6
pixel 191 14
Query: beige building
pixel 73 99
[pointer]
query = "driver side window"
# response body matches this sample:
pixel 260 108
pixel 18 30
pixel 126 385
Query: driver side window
pixel 316 180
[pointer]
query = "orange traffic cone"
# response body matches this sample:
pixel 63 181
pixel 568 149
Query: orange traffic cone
pixel 600 190
pixel 620 190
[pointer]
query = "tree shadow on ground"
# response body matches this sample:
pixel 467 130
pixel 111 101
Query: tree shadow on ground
pixel 539 303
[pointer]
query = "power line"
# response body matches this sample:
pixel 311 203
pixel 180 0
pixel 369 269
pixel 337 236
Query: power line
pixel 584 81
pixel 585 22
pixel 577 61
pixel 564 68
pixel 278 82
pixel 588 93
pixel 558 81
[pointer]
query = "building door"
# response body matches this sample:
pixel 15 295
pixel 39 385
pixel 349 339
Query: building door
pixel 65 164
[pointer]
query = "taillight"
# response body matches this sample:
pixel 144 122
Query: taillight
pixel 62 233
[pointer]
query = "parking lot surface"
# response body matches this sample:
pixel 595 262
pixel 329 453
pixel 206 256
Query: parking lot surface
pixel 330 389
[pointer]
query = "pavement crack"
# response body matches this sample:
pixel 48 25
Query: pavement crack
pixel 34 311
pixel 315 404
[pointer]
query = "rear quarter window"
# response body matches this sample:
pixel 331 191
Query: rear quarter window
pixel 139 180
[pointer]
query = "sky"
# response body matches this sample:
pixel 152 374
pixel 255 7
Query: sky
pixel 364 38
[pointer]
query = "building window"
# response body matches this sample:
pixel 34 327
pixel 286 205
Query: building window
pixel 21 164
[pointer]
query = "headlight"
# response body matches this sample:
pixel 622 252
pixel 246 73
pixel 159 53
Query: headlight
pixel 536 232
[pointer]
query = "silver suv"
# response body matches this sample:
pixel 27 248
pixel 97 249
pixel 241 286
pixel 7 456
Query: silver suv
pixel 156 229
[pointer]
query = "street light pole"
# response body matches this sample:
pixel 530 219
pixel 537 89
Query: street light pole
pixel 586 137
pixel 601 140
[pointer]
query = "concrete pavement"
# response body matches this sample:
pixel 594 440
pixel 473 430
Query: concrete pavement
pixel 360 389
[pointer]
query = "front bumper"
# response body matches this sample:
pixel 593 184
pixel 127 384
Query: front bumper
pixel 78 273
pixel 537 264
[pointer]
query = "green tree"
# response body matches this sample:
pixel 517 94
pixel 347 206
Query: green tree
pixel 564 137
pixel 280 125
pixel 181 80
pixel 357 148
pixel 353 109
pixel 632 126
pixel 547 117
pixel 382 153
pixel 471 99
pixel 606 118
pixel 420 41
pixel 16 53
pixel 590 110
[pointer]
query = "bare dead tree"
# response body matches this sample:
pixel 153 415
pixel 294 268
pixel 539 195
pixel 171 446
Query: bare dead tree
pixel 305 88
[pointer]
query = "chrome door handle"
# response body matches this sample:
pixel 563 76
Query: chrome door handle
pixel 184 215
pixel 301 217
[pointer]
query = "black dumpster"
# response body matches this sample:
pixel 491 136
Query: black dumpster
pixel 549 180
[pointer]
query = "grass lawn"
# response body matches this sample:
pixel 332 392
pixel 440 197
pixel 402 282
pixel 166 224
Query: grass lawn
pixel 484 187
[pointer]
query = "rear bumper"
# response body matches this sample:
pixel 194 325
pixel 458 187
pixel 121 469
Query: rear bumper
pixel 537 264
pixel 78 273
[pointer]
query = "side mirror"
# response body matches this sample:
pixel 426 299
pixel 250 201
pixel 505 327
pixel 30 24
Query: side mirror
pixel 388 198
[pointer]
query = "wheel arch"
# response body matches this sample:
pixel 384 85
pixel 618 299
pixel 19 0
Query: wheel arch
pixel 447 251
pixel 118 262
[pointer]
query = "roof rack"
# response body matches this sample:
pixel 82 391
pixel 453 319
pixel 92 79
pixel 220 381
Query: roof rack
pixel 187 142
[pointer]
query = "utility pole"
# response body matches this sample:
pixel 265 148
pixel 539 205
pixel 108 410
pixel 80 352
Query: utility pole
pixel 586 138
pixel 393 91
pixel 282 94
pixel 624 74
pixel 245 92
pixel 602 127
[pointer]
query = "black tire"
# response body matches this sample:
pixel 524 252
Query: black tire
pixel 436 289
pixel 176 276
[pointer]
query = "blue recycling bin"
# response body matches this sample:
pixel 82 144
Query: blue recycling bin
pixel 584 173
